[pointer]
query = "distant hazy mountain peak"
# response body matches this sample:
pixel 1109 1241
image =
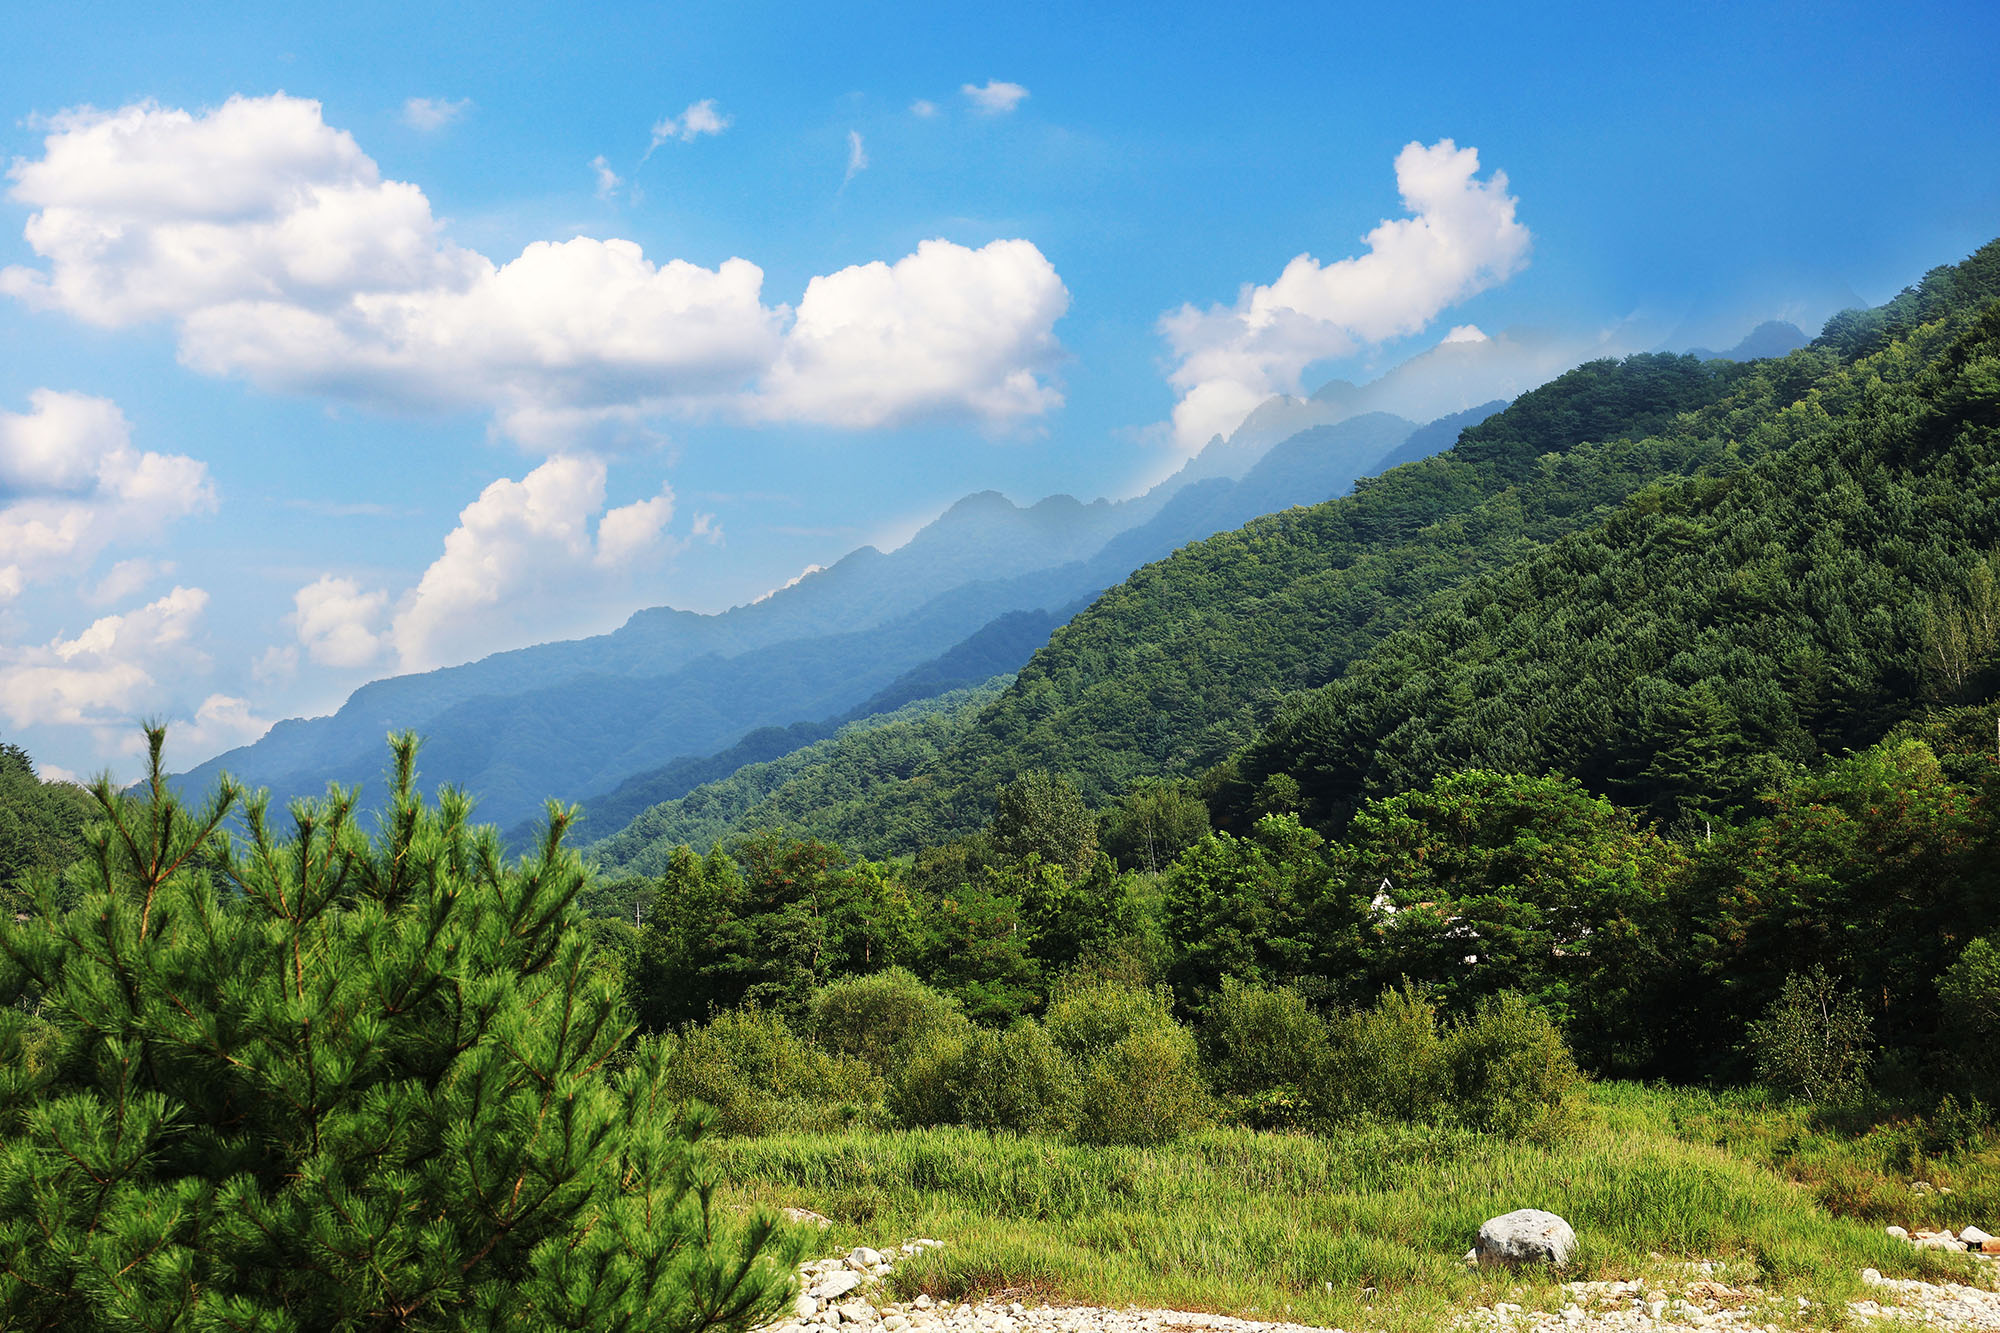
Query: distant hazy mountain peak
pixel 1774 337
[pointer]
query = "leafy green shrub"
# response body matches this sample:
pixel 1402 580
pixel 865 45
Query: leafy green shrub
pixel 1388 1061
pixel 1015 1079
pixel 880 1018
pixel 1813 1040
pixel 1264 1048
pixel 1505 1070
pixel 363 1086
pixel 763 1078
pixel 1139 1071
pixel 1090 1013
pixel 1969 992
pixel 925 1091
pixel 1147 1088
pixel 1511 1071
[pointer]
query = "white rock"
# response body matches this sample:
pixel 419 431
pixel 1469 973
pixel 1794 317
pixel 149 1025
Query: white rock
pixel 923 1302
pixel 895 1323
pixel 1896 1233
pixel 857 1312
pixel 1525 1236
pixel 863 1257
pixel 1974 1236
pixel 835 1285
pixel 1871 1277
pixel 805 1307
pixel 806 1217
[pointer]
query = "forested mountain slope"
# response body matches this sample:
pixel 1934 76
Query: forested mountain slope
pixel 1171 670
pixel 1716 631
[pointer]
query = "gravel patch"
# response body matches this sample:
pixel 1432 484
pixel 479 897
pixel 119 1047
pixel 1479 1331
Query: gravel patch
pixel 844 1294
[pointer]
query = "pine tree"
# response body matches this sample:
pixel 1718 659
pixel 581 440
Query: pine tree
pixel 326 1081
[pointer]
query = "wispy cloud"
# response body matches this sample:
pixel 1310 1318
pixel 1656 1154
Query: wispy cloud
pixel 924 108
pixel 857 157
pixel 430 114
pixel 608 180
pixel 994 98
pixel 700 118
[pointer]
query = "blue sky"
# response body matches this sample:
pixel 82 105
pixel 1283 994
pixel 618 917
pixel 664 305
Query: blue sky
pixel 302 390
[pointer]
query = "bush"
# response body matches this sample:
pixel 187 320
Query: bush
pixel 1969 993
pixel 1813 1040
pixel 1089 1014
pixel 364 1085
pixel 1511 1071
pixel 762 1078
pixel 1138 1070
pixel 1146 1089
pixel 984 1079
pixel 1388 1061
pixel 1505 1070
pixel 1264 1048
pixel 880 1018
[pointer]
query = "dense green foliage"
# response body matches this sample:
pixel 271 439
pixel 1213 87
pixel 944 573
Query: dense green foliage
pixel 1168 672
pixel 340 1084
pixel 1681 661
pixel 1715 631
pixel 1109 1062
pixel 41 825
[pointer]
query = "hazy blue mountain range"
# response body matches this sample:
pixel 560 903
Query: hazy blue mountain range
pixel 814 786
pixel 578 719
pixel 993 652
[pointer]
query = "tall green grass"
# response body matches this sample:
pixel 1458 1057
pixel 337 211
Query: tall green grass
pixel 1366 1227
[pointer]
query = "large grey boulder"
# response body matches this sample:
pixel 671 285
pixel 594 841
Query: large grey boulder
pixel 1525 1236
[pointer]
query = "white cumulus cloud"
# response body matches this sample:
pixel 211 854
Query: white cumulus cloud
pixel 529 560
pixel 220 722
pixel 431 114
pixel 520 544
pixel 275 247
pixel 937 331
pixel 994 97
pixel 71 485
pixel 104 676
pixel 1462 238
pixel 338 624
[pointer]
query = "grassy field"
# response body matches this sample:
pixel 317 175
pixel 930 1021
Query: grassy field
pixel 1369 1228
